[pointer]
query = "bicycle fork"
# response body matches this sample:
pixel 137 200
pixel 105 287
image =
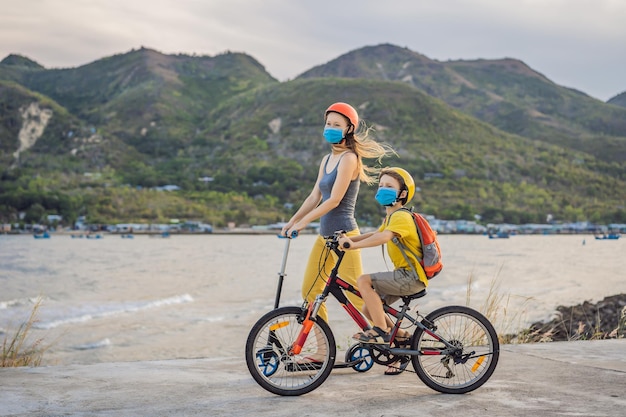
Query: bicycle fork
pixel 307 325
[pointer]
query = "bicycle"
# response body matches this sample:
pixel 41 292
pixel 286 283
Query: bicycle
pixel 290 351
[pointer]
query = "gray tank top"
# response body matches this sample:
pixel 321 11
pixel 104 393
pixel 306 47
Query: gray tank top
pixel 342 216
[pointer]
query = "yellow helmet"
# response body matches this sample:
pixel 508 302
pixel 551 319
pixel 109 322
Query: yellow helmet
pixel 407 180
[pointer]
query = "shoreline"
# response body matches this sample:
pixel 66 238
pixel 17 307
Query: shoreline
pixel 605 319
pixel 119 299
pixel 263 231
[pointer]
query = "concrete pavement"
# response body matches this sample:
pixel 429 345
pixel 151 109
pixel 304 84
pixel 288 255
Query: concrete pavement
pixel 585 378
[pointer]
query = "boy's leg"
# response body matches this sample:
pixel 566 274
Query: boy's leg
pixel 391 285
pixel 366 312
pixel 373 303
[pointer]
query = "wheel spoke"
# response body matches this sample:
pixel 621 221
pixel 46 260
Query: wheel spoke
pixel 469 365
pixel 273 366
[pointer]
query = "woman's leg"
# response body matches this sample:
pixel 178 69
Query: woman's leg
pixel 317 271
pixel 315 275
pixel 351 269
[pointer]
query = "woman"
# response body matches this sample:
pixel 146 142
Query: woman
pixel 333 199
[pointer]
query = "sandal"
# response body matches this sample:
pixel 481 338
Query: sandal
pixel 397 370
pixel 403 341
pixel 373 336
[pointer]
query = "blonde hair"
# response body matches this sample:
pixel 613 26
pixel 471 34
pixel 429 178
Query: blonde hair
pixel 364 147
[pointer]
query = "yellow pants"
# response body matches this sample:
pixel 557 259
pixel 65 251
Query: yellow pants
pixel 317 272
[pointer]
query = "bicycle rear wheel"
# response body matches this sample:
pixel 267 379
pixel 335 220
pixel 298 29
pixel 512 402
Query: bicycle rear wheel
pixel 473 362
pixel 269 359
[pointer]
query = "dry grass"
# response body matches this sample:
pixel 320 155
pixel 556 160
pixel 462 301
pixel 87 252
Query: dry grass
pixel 620 330
pixel 497 308
pixel 17 350
pixel 508 322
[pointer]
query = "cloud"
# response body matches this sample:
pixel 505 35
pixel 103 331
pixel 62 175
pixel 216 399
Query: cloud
pixel 578 43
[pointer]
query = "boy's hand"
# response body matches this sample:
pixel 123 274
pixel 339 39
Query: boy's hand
pixel 342 242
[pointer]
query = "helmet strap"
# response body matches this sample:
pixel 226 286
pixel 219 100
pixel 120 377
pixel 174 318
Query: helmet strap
pixel 401 197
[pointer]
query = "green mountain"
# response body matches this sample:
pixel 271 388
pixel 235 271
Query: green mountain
pixel 460 163
pixel 36 130
pixel 14 60
pixel 505 93
pixel 244 147
pixel 618 100
pixel 153 101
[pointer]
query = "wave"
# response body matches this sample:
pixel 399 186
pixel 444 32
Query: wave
pixel 95 345
pixel 105 312
pixel 211 319
pixel 17 303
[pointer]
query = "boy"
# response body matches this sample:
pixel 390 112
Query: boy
pixel 395 189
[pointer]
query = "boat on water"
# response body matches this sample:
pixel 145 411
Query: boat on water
pixel 87 236
pixel 499 235
pixel 610 236
pixel 165 234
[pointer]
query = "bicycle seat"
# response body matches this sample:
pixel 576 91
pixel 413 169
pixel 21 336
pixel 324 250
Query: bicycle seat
pixel 408 298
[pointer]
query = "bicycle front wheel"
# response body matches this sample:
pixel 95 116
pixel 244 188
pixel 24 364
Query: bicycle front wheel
pixel 271 361
pixel 469 364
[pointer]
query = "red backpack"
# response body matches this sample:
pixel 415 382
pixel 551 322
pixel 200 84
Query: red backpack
pixel 431 259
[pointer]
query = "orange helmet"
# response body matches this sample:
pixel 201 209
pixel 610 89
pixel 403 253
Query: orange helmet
pixel 345 110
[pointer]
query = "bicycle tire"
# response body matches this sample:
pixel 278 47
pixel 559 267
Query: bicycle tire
pixel 472 367
pixel 269 361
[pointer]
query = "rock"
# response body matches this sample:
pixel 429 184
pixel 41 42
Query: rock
pixel 603 320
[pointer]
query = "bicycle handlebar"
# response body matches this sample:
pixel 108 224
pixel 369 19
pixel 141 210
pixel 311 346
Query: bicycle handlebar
pixel 294 235
pixel 333 241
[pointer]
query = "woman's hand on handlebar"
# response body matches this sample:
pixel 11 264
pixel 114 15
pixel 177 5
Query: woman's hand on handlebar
pixel 291 230
pixel 293 235
pixel 288 231
pixel 285 229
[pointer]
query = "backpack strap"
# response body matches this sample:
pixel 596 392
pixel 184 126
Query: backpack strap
pixel 403 248
pixel 406 258
pixel 382 249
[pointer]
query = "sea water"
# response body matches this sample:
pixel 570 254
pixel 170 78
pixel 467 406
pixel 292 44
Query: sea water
pixel 115 299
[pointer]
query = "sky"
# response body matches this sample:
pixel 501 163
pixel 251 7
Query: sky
pixel 579 44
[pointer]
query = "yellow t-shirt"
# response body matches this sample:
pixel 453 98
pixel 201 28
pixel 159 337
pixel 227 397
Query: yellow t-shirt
pixel 401 223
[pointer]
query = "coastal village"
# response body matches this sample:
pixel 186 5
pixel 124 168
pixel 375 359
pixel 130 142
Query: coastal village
pixel 181 227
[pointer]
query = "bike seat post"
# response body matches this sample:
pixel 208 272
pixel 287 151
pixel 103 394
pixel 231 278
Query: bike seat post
pixel 406 304
pixel 283 265
pixel 282 274
pixel 403 309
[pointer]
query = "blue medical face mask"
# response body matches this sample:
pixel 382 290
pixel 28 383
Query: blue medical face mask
pixel 333 134
pixel 386 196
